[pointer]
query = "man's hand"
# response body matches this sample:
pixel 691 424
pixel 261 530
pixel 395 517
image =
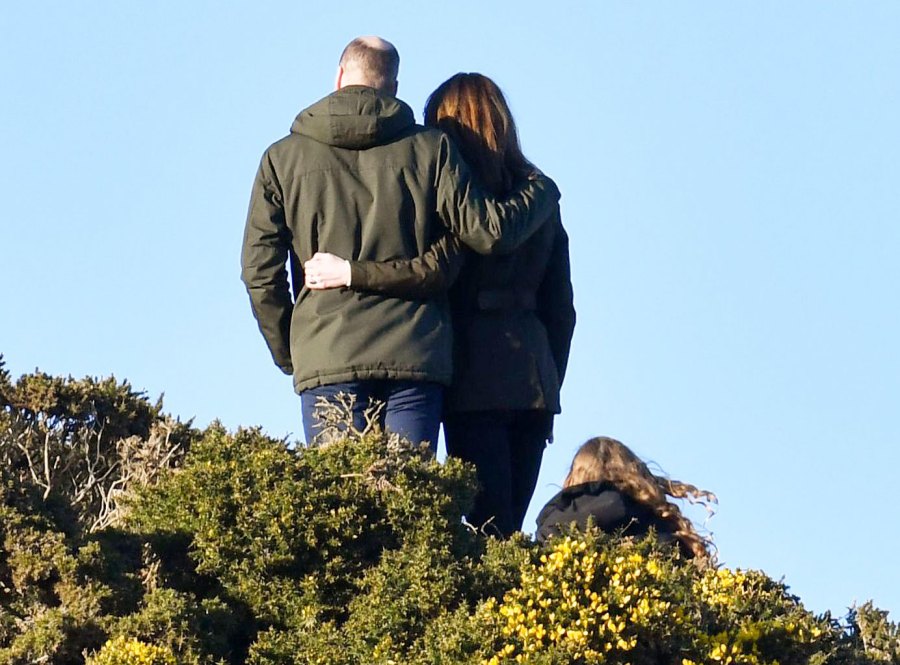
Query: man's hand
pixel 326 271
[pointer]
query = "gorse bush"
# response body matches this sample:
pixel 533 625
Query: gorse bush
pixel 68 451
pixel 288 533
pixel 590 599
pixel 123 651
pixel 148 541
pixel 78 445
pixel 590 604
pixel 359 543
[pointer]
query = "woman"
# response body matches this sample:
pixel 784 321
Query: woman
pixel 612 488
pixel 513 315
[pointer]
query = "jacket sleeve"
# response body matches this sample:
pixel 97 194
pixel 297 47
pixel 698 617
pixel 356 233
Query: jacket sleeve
pixel 484 223
pixel 556 302
pixel 422 277
pixel 264 255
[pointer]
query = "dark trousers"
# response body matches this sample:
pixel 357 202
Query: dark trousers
pixel 412 409
pixel 506 448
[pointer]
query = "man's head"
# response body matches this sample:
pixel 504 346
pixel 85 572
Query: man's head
pixel 369 61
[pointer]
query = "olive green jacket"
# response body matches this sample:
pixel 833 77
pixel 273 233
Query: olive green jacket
pixel 358 177
pixel 513 316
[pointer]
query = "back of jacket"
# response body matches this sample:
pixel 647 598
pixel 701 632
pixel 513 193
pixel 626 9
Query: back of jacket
pixel 608 509
pixel 513 318
pixel 357 177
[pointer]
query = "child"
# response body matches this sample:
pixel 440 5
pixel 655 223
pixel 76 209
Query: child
pixel 612 487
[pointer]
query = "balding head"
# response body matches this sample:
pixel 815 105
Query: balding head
pixel 369 61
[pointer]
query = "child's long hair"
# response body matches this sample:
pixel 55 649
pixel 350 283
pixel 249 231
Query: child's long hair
pixel 605 459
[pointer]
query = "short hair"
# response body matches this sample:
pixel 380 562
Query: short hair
pixel 376 60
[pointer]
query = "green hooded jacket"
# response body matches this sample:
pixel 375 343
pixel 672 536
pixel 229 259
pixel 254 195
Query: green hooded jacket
pixel 359 178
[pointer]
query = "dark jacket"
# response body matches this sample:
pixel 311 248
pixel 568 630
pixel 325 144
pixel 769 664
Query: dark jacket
pixel 357 177
pixel 513 320
pixel 513 316
pixel 607 508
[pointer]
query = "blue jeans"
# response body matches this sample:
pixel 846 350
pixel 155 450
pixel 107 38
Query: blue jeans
pixel 412 409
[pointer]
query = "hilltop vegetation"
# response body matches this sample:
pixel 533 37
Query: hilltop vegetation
pixel 127 537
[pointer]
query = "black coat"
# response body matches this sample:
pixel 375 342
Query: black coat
pixel 607 508
pixel 513 319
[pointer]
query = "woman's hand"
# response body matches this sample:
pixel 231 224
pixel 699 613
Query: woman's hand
pixel 326 271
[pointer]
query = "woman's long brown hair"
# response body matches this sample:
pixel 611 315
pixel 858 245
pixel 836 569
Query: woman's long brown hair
pixel 472 109
pixel 605 459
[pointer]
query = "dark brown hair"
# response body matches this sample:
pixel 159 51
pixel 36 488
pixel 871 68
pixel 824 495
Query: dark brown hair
pixel 471 108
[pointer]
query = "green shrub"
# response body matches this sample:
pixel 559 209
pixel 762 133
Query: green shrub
pixel 124 651
pixel 70 451
pixel 361 540
pixel 593 599
pixel 150 542
pixel 869 632
pixel 70 448
pixel 51 605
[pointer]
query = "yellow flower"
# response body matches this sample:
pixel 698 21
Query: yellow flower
pixel 124 651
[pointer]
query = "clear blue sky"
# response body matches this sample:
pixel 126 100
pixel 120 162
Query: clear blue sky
pixel 731 183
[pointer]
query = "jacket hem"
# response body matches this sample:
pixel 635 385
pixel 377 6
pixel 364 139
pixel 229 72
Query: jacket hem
pixel 369 374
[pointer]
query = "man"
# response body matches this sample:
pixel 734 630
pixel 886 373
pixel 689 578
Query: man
pixel 359 177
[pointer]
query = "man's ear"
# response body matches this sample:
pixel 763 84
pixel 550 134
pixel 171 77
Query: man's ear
pixel 394 88
pixel 338 77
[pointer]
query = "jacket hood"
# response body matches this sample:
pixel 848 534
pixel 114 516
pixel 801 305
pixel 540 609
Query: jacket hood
pixel 354 117
pixel 601 500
